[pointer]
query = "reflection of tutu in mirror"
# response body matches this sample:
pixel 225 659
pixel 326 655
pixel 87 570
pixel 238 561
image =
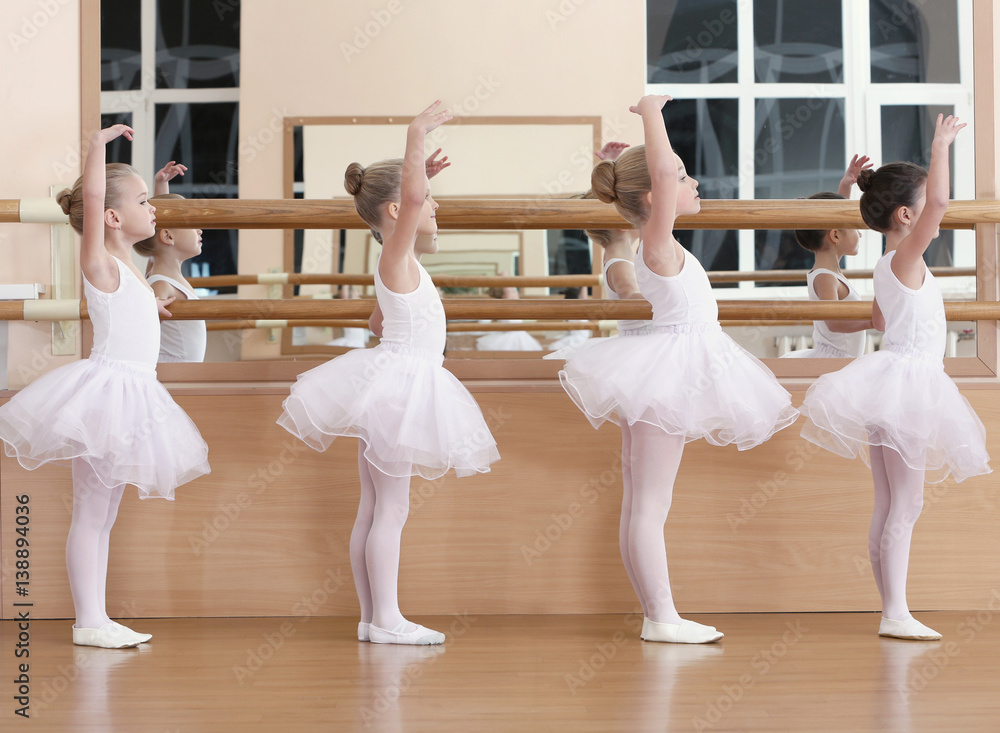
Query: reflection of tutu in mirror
pixel 508 341
pixel 413 415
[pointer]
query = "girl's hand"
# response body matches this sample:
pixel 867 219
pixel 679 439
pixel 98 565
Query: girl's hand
pixel 947 129
pixel 170 171
pixel 650 102
pixel 433 167
pixel 611 151
pixel 858 163
pixel 429 119
pixel 161 305
pixel 110 133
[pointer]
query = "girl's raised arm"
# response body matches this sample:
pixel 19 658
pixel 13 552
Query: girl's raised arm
pixel 414 190
pixel 658 238
pixel 95 261
pixel 908 263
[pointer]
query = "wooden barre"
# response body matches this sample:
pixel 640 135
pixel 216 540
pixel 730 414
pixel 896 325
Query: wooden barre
pixel 541 212
pixel 467 308
pixel 452 327
pixel 523 281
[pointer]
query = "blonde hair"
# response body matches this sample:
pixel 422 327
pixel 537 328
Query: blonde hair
pixel 148 246
pixel 602 237
pixel 624 183
pixel 374 187
pixel 71 200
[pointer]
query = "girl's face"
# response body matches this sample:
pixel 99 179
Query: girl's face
pixel 688 201
pixel 135 215
pixel 848 242
pixel 428 220
pixel 186 242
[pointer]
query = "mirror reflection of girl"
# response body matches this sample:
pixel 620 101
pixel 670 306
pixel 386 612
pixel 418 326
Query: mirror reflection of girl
pixel 107 414
pixel 352 338
pixel 825 281
pixel 168 249
pixel 507 340
pixel 679 379
pixel 896 407
pixel 411 415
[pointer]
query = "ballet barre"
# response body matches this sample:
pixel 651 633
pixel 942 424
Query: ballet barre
pixel 470 309
pixel 451 327
pixel 540 212
pixel 523 281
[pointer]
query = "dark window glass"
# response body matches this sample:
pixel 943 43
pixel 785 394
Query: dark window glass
pixel 197 44
pixel 704 134
pixel 119 150
pixel 914 41
pixel 121 64
pixel 799 151
pixel 691 41
pixel 798 42
pixel 569 252
pixel 907 132
pixel 206 134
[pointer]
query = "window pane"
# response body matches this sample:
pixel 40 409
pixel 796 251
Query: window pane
pixel 907 132
pixel 704 134
pixel 120 51
pixel 204 138
pixel 799 151
pixel 914 41
pixel 119 150
pixel 798 42
pixel 197 44
pixel 691 41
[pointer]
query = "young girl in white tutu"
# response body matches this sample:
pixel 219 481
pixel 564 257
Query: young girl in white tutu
pixel 412 416
pixel 825 281
pixel 896 408
pixel 108 414
pixel 677 379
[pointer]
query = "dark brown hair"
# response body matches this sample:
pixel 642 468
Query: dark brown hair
pixel 812 239
pixel 886 189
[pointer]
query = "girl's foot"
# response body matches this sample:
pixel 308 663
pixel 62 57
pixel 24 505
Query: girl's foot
pixel 908 628
pixel 686 632
pixel 109 636
pixel 405 633
pixel 363 631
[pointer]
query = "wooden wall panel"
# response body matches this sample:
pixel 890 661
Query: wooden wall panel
pixel 780 528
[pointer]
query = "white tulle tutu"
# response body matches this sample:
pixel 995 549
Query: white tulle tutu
pixel 693 381
pixel 414 416
pixel 905 402
pixel 114 415
pixel 508 341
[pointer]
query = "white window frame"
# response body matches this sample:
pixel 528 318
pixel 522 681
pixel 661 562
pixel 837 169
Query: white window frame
pixel 863 101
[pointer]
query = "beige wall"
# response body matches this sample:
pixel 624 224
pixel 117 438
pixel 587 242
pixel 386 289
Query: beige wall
pixel 39 147
pixel 508 53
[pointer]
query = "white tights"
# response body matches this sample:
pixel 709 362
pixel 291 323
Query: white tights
pixel 382 512
pixel 899 497
pixel 650 459
pixel 95 508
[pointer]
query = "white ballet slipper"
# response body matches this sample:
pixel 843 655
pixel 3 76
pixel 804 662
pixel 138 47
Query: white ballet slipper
pixel 908 628
pixel 646 622
pixel 143 638
pixel 363 631
pixel 109 636
pixel 418 637
pixel 686 632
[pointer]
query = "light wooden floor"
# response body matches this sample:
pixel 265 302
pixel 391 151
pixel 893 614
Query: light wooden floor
pixel 772 672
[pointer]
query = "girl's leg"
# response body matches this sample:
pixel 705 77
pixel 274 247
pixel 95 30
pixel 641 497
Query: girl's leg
pixel 94 510
pixel 906 487
pixel 392 505
pixel 656 456
pixel 359 536
pixel 880 513
pixel 626 518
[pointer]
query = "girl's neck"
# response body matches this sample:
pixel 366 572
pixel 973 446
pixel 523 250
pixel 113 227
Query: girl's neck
pixel 892 240
pixel 619 249
pixel 168 265
pixel 115 244
pixel 828 259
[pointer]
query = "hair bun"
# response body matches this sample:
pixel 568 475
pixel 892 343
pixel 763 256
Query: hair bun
pixel 865 179
pixel 602 181
pixel 65 200
pixel 353 178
